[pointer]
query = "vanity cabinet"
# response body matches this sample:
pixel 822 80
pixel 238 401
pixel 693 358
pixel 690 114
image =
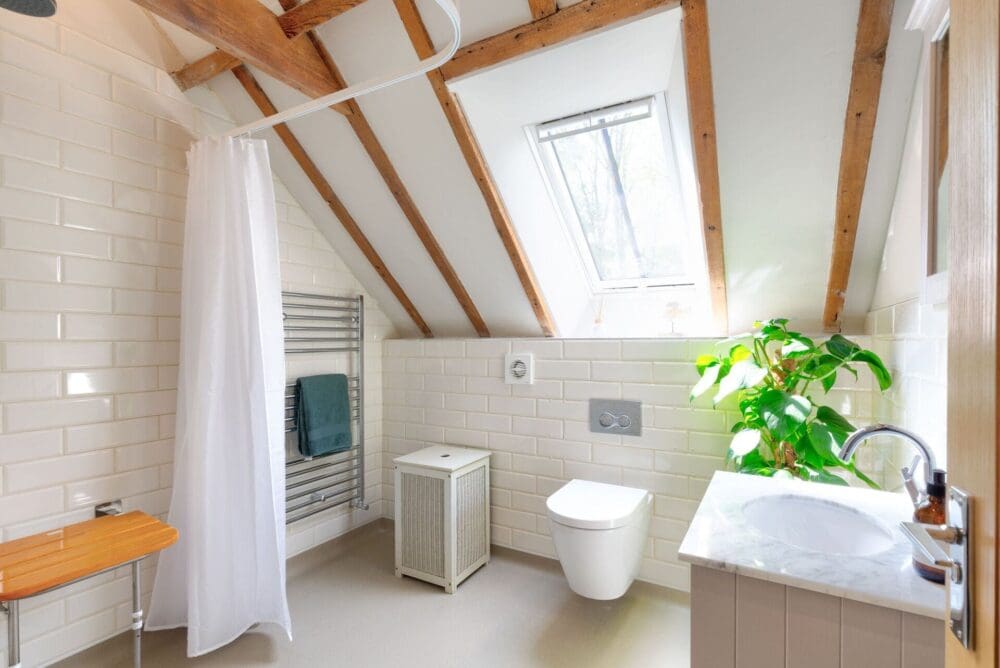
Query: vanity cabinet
pixel 738 621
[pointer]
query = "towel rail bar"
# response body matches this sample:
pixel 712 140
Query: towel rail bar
pixel 321 506
pixel 319 496
pixel 320 459
pixel 325 318
pixel 316 484
pixel 319 307
pixel 350 465
pixel 325 298
pixel 342 477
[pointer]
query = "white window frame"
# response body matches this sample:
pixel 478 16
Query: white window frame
pixel 555 183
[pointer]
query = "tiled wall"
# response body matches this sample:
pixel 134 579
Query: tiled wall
pixel 452 391
pixel 309 264
pixel 92 182
pixel 912 338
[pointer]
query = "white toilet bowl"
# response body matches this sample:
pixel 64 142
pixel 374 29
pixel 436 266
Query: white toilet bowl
pixel 599 532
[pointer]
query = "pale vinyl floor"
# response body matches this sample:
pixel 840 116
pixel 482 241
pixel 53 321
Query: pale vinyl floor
pixel 348 609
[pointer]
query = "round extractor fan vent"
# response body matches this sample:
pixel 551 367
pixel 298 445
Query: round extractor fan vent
pixel 519 368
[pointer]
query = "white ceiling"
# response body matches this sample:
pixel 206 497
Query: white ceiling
pixel 780 71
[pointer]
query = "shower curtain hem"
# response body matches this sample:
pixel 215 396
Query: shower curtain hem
pixel 220 645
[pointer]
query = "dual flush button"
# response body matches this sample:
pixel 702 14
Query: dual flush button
pixel 613 416
pixel 609 419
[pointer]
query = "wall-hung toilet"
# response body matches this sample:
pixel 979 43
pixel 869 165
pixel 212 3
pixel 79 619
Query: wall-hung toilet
pixel 599 531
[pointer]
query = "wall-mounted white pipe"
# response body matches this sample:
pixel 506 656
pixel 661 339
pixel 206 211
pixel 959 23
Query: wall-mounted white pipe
pixel 364 87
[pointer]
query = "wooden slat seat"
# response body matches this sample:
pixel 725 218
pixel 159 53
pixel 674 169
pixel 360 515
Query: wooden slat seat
pixel 34 564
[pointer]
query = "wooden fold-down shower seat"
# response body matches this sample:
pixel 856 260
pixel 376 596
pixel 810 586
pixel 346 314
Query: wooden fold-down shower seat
pixel 46 561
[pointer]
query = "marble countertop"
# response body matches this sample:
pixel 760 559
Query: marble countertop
pixel 721 537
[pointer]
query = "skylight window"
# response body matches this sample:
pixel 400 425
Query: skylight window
pixel 614 174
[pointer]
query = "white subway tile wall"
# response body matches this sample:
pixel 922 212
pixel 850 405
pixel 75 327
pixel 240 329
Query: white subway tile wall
pixel 912 339
pixel 453 392
pixel 92 185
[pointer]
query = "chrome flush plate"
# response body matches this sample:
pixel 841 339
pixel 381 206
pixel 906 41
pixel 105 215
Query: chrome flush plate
pixel 614 416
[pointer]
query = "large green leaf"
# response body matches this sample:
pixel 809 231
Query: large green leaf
pixel 841 347
pixel 784 413
pixel 797 346
pixel 709 375
pixel 739 353
pixel 744 442
pixel 828 380
pixel 824 444
pixel 743 374
pixel 876 366
pixel 702 362
pixel 749 462
pixel 837 423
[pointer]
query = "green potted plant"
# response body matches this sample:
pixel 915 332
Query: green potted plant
pixel 776 375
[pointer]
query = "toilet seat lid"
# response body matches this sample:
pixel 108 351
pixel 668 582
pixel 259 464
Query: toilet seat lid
pixel 594 505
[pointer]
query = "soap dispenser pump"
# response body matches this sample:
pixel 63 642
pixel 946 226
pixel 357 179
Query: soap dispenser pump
pixel 931 511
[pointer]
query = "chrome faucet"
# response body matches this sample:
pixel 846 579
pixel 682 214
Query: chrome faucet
pixel 858 437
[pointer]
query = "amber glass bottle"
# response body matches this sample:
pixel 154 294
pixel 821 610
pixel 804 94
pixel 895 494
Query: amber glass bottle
pixel 931 511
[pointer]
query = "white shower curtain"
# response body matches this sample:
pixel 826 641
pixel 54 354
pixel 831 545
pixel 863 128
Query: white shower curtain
pixel 227 571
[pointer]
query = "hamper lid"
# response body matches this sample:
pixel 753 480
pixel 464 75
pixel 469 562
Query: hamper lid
pixel 442 457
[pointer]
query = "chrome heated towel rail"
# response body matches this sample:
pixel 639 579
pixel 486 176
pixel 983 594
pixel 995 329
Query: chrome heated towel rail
pixel 316 324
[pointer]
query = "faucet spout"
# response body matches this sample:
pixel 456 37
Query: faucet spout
pixel 859 437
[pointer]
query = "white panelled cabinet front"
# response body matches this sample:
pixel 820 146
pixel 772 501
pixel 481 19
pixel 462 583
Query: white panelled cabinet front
pixel 442 514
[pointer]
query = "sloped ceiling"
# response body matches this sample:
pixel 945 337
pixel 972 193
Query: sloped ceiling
pixel 781 73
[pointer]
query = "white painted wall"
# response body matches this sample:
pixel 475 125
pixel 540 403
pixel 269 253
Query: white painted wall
pixel 887 162
pixel 781 74
pixel 901 270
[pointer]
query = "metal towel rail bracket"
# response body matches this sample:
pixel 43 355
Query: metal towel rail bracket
pixel 317 324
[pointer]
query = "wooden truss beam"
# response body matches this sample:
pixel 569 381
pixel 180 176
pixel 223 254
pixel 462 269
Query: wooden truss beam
pixel 325 191
pixel 204 69
pixel 542 8
pixel 248 30
pixel 568 23
pixel 421 40
pixel 874 23
pixel 313 13
pixel 372 145
pixel 701 106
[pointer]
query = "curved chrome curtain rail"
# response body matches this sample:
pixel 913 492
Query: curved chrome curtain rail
pixel 365 87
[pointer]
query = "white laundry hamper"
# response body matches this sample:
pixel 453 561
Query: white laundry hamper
pixel 442 514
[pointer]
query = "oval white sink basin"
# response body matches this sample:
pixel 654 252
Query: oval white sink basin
pixel 817 525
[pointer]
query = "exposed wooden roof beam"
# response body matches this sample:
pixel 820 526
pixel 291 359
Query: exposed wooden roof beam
pixel 417 31
pixel 372 145
pixel 701 106
pixel 325 191
pixel 573 21
pixel 310 14
pixel 204 69
pixel 874 23
pixel 247 30
pixel 542 8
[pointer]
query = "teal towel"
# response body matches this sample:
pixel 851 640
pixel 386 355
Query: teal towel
pixel 323 415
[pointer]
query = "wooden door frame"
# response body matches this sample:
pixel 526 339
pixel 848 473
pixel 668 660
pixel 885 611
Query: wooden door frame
pixel 974 284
